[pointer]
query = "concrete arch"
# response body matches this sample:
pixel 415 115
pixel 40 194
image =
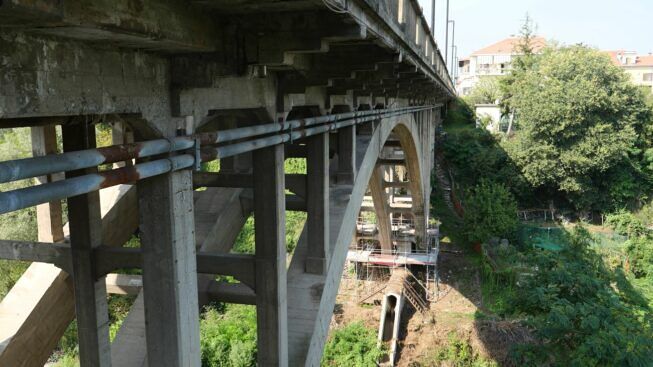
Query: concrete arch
pixel 345 201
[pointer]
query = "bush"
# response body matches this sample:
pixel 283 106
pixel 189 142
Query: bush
pixel 490 211
pixel 582 313
pixel 640 255
pixel 457 353
pixel 353 345
pixel 228 339
pixel 626 224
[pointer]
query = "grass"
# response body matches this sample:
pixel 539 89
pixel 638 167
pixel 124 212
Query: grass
pixel 457 353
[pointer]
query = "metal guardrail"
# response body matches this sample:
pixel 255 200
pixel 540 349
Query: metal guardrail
pixel 197 148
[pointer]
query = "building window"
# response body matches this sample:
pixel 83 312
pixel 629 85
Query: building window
pixel 648 77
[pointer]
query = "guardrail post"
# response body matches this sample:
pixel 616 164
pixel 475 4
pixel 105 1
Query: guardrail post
pixel 85 234
pixel 270 239
pixel 169 270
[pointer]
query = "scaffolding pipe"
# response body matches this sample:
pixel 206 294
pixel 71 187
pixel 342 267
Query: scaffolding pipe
pixel 294 132
pixel 23 198
pixel 49 164
pixel 34 195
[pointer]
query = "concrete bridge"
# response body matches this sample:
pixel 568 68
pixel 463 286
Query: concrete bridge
pixel 354 87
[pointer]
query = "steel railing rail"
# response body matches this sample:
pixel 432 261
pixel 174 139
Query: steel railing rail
pixel 34 195
pixel 49 164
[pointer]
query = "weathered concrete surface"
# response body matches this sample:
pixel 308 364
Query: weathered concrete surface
pixel 54 77
pixel 219 216
pixel 311 298
pixel 39 308
pixel 168 25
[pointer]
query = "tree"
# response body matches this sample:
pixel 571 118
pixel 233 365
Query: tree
pixel 522 62
pixel 490 211
pixel 585 129
pixel 486 91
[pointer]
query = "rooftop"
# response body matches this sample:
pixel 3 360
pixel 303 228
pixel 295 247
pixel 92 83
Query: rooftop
pixel 620 58
pixel 508 46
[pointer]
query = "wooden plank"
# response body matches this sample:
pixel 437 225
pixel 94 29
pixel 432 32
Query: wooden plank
pixel 270 238
pixel 85 234
pixel 169 270
pixel 317 203
pixel 48 215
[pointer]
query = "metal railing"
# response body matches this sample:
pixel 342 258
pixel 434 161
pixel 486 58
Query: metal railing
pixel 191 151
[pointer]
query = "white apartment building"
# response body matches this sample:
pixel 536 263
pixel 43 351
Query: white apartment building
pixel 640 68
pixel 491 61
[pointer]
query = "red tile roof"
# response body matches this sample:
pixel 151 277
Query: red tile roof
pixel 640 61
pixel 508 46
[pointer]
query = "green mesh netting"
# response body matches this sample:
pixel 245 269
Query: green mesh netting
pixel 549 238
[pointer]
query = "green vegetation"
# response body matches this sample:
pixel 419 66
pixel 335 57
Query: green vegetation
pixel 581 144
pixel 486 91
pixel 352 345
pixel 585 132
pixel 491 211
pixel 583 313
pixel 457 353
pixel 228 336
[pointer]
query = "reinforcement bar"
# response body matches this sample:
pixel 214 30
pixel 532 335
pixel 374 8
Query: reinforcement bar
pixel 34 195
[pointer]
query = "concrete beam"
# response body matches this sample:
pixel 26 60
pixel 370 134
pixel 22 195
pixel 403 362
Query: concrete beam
pixel 294 182
pixel 270 238
pixel 85 235
pixel 145 26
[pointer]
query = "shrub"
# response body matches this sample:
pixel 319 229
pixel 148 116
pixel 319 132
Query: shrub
pixel 582 313
pixel 490 211
pixel 626 224
pixel 457 353
pixel 353 345
pixel 228 339
pixel 640 255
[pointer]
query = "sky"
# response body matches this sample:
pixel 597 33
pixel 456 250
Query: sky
pixel 605 24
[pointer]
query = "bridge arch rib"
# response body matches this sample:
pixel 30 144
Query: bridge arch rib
pixel 311 298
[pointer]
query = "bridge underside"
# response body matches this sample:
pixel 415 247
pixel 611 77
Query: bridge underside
pixel 159 69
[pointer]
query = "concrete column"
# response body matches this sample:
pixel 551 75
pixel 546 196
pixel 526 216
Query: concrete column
pixel 169 270
pixel 121 134
pixel 346 173
pixel 381 209
pixel 48 216
pixel 270 238
pixel 85 223
pixel 317 203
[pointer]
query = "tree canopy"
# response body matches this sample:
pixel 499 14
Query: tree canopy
pixel 585 129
